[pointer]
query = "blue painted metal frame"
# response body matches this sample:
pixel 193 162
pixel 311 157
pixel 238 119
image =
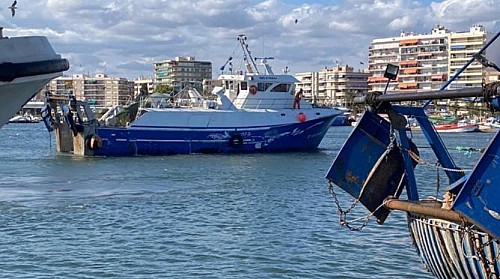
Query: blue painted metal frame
pixel 479 194
pixel 479 198
pixel 435 142
pixel 433 138
pixel 411 186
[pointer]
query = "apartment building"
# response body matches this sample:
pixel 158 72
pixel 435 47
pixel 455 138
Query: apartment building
pixel 426 60
pixel 99 90
pixel 182 72
pixel 463 45
pixel 491 75
pixel 146 85
pixel 333 86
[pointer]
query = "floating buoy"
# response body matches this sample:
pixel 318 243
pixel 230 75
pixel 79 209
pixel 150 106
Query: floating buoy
pixel 301 117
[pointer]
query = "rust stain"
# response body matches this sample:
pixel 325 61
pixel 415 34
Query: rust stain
pixel 349 177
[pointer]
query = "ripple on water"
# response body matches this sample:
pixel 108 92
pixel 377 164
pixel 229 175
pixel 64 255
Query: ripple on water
pixel 210 216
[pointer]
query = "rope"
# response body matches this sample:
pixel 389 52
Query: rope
pixel 438 182
pixel 50 141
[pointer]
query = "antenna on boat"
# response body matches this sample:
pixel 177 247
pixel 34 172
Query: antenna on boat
pixel 263 61
pixel 247 56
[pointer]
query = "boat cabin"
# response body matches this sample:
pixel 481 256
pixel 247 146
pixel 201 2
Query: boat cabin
pixel 251 91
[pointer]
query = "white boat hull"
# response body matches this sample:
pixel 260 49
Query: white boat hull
pixel 458 129
pixel 14 95
pixel 27 64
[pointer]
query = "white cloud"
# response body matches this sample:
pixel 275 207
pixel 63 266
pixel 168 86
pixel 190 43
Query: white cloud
pixel 124 37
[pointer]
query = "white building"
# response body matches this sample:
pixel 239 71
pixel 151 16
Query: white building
pixel 463 45
pixel 182 72
pixel 333 86
pixel 143 84
pixel 99 90
pixel 427 60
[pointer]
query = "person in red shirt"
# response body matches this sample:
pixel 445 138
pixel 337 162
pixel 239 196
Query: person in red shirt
pixel 297 98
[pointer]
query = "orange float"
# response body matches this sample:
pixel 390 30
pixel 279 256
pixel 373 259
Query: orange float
pixel 301 117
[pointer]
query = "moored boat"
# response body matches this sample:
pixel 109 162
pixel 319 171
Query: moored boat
pixel 26 65
pixel 457 128
pixel 491 124
pixel 342 120
pixel 254 111
pixel 25 118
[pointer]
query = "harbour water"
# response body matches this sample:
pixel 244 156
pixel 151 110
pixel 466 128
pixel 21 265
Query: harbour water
pixel 193 216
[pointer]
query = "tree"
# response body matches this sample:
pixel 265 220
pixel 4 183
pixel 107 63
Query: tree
pixel 163 88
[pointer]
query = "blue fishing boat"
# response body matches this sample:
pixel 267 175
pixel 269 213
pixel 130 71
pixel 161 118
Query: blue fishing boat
pixel 253 111
pixel 456 237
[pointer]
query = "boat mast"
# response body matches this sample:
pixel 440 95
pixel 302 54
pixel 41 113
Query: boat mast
pixel 247 56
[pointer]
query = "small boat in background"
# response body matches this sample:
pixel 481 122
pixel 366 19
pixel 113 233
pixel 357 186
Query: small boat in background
pixel 457 128
pixel 25 118
pixel 342 119
pixel 491 124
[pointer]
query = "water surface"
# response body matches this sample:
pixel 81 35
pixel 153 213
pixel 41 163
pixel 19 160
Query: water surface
pixel 193 216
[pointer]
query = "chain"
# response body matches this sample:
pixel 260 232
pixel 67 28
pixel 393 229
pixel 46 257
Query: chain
pixel 420 161
pixel 479 246
pixel 343 213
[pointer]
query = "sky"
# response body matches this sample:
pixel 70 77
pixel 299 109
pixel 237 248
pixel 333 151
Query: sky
pixel 123 38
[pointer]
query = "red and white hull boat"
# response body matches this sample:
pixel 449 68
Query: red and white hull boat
pixel 457 128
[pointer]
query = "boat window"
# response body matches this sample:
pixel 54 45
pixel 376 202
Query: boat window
pixel 243 86
pixel 282 87
pixel 263 86
pixel 229 84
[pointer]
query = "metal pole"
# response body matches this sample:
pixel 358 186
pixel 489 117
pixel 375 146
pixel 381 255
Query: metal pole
pixel 464 67
pixel 426 95
pixel 416 208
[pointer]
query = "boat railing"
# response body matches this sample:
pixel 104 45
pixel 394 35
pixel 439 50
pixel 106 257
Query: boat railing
pixel 243 102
